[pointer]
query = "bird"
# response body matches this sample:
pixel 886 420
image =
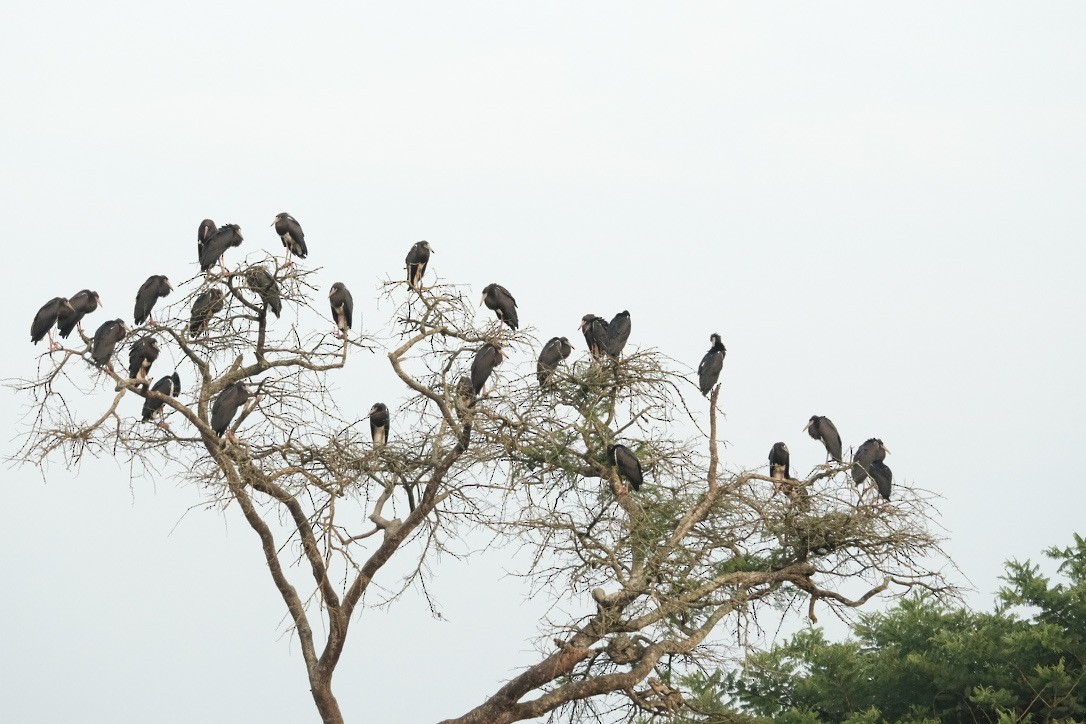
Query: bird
pixel 498 298
pixel 170 385
pixel 290 231
pixel 820 428
pixel 142 355
pixel 156 286
pixel 342 304
pixel 204 308
pixel 82 303
pixel 207 228
pixel 778 462
pixel 869 460
pixel 618 331
pixel 105 341
pixel 264 284
pixel 416 262
pixel 378 416
pixel 883 478
pixel 46 318
pixel 629 467
pixel 596 334
pixel 216 245
pixel 554 351
pixel 711 365
pixel 226 407
pixel 486 359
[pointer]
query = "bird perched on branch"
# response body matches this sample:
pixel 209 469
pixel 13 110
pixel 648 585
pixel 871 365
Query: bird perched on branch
pixel 820 428
pixel 711 365
pixel 156 287
pixel 206 306
pixel 290 231
pixel 83 303
pixel 554 351
pixel 378 416
pixel 618 331
pixel 342 303
pixel 416 262
pixel 486 359
pixel 264 284
pixel 45 319
pixel 778 462
pixel 142 355
pixel 498 298
pixel 868 460
pixel 105 342
pixel 170 386
pixel 207 228
pixel 226 406
pixel 596 334
pixel 216 245
pixel 629 467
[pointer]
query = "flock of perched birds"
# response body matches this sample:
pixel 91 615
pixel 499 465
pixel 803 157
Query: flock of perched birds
pixel 603 339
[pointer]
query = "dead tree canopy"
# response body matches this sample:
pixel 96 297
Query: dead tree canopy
pixel 609 474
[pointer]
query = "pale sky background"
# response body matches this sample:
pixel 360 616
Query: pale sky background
pixel 879 208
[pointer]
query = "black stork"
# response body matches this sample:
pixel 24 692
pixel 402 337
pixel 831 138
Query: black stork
pixel 711 365
pixel 290 232
pixel 156 287
pixel 498 298
pixel 416 261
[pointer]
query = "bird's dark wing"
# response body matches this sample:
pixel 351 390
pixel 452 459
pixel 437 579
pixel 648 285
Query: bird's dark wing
pixel 145 300
pixel 505 305
pixel 217 245
pixel 861 461
pixel 548 360
pixel 486 359
pixel 618 332
pixel 883 478
pixel 629 466
pixel 709 370
pixel 164 386
pixel 45 318
pixel 348 308
pixel 830 438
pixel 225 407
pixel 83 303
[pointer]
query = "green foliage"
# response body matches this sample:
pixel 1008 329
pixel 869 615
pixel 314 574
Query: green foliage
pixel 923 662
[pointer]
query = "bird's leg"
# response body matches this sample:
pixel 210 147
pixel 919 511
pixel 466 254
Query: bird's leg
pixel 53 344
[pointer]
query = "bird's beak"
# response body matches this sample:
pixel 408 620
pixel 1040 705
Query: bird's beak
pixel 69 306
pixel 481 300
pixel 806 426
pixel 886 449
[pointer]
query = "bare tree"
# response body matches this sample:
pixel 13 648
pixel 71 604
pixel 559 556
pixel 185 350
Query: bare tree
pixel 695 551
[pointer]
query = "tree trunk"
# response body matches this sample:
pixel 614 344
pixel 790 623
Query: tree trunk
pixel 326 701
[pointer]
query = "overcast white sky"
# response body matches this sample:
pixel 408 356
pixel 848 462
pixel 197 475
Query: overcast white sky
pixel 880 209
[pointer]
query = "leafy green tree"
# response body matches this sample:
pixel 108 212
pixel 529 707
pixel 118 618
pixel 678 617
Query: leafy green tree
pixel 923 661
